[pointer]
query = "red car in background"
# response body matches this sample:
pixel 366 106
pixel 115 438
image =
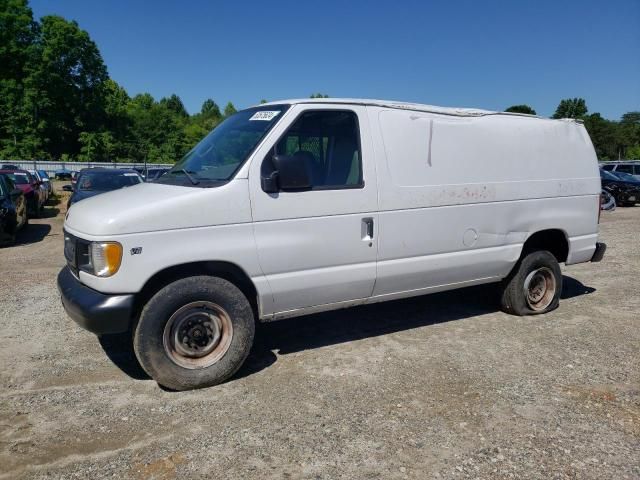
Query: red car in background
pixel 30 186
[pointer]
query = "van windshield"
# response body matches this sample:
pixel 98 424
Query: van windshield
pixel 221 153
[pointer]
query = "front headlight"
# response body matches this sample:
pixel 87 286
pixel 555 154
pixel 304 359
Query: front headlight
pixel 101 259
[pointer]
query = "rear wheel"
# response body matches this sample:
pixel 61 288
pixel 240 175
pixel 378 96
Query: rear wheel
pixel 195 332
pixel 533 286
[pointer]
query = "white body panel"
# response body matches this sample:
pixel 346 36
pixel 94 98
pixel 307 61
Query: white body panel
pixel 453 195
pixel 459 196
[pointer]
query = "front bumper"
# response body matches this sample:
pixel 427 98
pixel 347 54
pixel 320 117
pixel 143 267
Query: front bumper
pixel 92 310
pixel 599 253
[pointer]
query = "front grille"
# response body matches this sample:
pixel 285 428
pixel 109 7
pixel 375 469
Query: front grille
pixel 70 247
pixel 76 252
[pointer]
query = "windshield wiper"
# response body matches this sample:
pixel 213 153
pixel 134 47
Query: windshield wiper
pixel 191 179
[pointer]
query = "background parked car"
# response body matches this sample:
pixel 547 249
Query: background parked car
pixel 631 167
pixel 63 174
pixel 9 166
pixel 94 181
pixel 155 173
pixel 150 174
pixel 31 189
pixel 625 191
pixel 74 178
pixel 44 189
pixel 13 210
pixel 47 181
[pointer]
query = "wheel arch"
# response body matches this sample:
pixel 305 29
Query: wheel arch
pixel 215 268
pixel 554 240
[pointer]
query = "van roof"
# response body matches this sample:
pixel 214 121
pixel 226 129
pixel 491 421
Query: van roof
pixel 460 112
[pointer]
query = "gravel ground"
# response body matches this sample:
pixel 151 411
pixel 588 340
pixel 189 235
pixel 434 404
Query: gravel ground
pixel 442 386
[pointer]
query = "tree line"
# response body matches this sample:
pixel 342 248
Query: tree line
pixel 57 101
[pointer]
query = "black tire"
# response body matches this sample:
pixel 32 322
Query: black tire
pixel 36 211
pixel 533 269
pixel 168 366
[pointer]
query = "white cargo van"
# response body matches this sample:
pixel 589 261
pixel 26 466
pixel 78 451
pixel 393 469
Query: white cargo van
pixel 308 205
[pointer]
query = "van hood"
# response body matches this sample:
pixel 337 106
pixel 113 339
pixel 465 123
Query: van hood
pixel 150 207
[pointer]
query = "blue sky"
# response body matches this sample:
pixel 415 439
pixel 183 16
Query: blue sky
pixel 486 54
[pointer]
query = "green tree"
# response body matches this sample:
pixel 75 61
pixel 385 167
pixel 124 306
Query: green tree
pixel 602 133
pixel 174 104
pixel 633 152
pixel 157 131
pixel 210 109
pixel 67 85
pixel 631 118
pixel 19 137
pixel 90 146
pixel 318 95
pixel 521 109
pixel 229 109
pixel 118 122
pixel 18 31
pixel 193 133
pixel 571 108
pixel 628 134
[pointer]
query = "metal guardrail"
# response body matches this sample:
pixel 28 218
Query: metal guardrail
pixel 51 166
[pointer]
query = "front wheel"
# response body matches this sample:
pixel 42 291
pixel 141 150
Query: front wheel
pixel 195 332
pixel 533 286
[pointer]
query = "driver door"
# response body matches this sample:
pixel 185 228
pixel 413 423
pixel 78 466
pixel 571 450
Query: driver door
pixel 318 247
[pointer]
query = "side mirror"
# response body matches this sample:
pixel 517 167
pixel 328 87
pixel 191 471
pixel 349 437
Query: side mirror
pixel 67 188
pixel 290 173
pixel 269 182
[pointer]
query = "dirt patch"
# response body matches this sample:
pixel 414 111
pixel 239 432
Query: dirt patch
pixel 161 469
pixel 441 386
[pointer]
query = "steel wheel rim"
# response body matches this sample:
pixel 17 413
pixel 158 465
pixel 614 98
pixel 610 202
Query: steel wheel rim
pixel 197 335
pixel 540 288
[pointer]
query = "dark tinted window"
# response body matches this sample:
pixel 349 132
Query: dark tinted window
pixel 624 168
pixel 10 184
pixel 102 181
pixel 608 167
pixel 20 178
pixel 329 142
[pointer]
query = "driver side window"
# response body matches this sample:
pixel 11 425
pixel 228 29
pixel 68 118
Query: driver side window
pixel 329 144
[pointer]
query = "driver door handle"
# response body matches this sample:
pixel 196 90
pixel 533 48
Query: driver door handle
pixel 367 229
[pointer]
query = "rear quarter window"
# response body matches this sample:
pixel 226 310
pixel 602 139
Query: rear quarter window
pixel 625 168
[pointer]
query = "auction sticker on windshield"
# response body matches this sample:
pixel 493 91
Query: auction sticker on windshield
pixel 265 115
